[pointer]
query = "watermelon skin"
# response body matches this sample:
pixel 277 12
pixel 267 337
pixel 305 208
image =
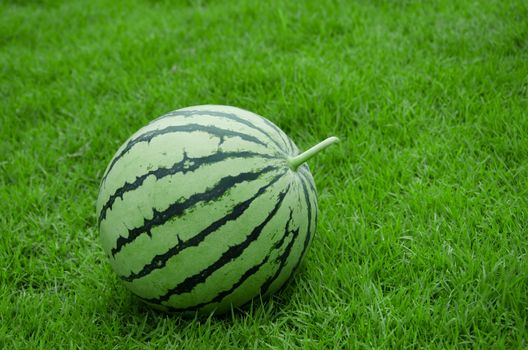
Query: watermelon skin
pixel 199 211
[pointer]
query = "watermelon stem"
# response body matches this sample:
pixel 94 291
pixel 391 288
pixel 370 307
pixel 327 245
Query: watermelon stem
pixel 296 161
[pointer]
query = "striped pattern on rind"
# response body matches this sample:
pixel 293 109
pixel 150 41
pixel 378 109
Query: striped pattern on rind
pixel 209 129
pixel 231 116
pixel 178 208
pixel 213 216
pixel 232 252
pixel 185 165
pixel 160 261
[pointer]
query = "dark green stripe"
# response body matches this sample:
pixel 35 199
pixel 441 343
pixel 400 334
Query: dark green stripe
pixel 149 135
pixel 282 258
pixel 253 270
pixel 178 208
pixel 309 226
pixel 187 164
pixel 292 146
pixel 230 254
pixel 229 116
pixel 160 261
pixel 287 141
pixel 305 172
pixel 280 242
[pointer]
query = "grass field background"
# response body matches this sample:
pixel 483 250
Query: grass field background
pixel 423 206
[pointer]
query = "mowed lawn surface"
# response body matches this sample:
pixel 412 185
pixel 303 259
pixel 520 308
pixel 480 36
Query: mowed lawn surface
pixel 422 234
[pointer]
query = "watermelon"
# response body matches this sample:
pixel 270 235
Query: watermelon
pixel 206 208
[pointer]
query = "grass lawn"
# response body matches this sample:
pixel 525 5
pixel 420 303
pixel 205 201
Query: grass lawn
pixel 421 238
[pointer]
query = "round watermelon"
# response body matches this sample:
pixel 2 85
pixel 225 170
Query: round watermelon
pixel 207 207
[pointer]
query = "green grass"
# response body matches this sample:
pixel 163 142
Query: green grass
pixel 423 206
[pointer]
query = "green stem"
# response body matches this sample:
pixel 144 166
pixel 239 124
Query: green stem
pixel 303 157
